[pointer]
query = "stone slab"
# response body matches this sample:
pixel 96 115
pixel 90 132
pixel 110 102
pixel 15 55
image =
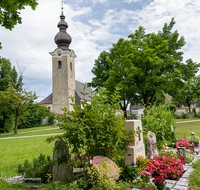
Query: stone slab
pixel 180 188
pixel 182 183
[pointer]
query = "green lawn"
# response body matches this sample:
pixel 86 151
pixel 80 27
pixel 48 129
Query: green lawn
pixel 15 151
pixel 187 128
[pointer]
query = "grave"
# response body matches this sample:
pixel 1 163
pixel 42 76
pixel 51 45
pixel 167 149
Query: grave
pixel 152 151
pixel 61 157
pixel 136 147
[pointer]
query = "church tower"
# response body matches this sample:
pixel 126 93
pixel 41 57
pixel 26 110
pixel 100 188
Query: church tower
pixel 63 69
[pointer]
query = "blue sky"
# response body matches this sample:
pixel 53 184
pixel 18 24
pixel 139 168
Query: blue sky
pixel 94 26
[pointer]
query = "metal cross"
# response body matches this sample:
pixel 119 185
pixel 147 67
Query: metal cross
pixel 139 132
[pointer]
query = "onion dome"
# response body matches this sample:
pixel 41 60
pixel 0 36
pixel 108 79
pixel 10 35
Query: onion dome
pixel 62 38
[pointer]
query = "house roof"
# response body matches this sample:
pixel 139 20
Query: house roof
pixel 79 89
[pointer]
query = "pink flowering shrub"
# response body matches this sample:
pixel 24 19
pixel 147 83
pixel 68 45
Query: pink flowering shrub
pixel 145 176
pixel 79 160
pixel 169 168
pixel 183 143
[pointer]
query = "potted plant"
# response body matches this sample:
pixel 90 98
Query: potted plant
pixel 194 139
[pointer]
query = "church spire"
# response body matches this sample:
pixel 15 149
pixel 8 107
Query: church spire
pixel 62 38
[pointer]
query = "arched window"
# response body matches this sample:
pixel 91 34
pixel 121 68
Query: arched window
pixel 59 65
pixel 71 66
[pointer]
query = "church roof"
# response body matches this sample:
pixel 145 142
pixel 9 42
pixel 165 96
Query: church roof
pixel 79 89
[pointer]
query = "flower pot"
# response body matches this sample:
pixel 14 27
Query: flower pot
pixel 195 143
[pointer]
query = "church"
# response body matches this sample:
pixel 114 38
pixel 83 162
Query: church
pixel 64 84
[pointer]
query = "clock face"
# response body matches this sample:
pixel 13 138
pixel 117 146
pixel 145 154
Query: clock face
pixel 59 54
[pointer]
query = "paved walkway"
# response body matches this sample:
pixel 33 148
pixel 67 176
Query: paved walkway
pixel 187 121
pixel 32 136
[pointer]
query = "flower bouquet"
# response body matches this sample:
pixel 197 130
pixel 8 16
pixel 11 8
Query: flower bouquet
pixel 160 183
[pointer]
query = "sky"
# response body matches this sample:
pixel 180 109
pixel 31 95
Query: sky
pixel 94 26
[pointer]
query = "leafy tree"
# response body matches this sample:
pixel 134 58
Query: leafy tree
pixel 16 101
pixel 96 128
pixel 144 66
pixel 188 93
pixel 9 12
pixel 8 75
pixel 33 118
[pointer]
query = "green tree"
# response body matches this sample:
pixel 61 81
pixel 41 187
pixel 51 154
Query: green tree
pixel 8 74
pixel 9 12
pixel 33 118
pixel 188 93
pixel 144 66
pixel 17 102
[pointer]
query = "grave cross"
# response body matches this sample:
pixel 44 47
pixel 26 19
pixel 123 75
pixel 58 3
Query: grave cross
pixel 138 132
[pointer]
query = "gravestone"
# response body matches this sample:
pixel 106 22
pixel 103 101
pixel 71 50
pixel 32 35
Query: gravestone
pixel 61 157
pixel 152 151
pixel 136 147
pixel 55 122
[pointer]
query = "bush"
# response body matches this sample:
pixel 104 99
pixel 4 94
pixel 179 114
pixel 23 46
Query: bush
pixel 172 108
pixel 6 122
pixel 141 163
pixel 195 112
pixel 184 115
pixel 159 121
pixel 96 127
pixel 128 173
pixel 40 168
pixel 102 176
pixel 168 153
pixel 169 168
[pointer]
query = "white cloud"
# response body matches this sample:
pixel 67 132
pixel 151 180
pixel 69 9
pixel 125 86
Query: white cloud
pixel 31 42
pixel 134 1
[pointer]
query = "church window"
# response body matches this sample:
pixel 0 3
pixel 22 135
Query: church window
pixel 71 66
pixel 59 65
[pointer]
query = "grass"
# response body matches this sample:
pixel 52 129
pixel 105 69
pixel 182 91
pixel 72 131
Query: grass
pixel 15 151
pixel 185 129
pixel 194 178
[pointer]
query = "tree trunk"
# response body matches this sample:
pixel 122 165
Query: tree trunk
pixel 16 124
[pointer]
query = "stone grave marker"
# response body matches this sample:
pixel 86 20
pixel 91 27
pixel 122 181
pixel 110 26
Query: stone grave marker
pixel 55 122
pixel 61 157
pixel 136 147
pixel 113 169
pixel 152 151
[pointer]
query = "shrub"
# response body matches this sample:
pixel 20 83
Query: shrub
pixel 184 115
pixel 195 112
pixel 128 173
pixel 172 108
pixel 168 153
pixel 141 163
pixel 159 121
pixel 40 168
pixel 101 177
pixel 145 176
pixel 169 168
pixel 183 143
pixel 96 127
pixel 6 122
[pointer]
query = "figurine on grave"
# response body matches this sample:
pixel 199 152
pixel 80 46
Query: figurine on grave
pixel 152 151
